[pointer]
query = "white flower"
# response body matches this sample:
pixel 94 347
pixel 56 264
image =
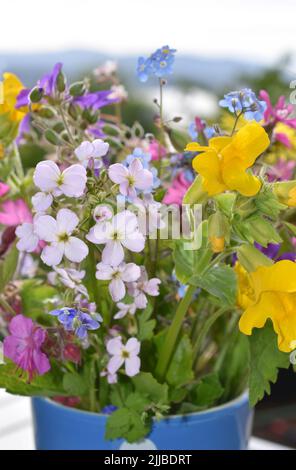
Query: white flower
pixel 149 215
pixel 28 267
pixel 28 238
pixel 121 231
pixel 42 201
pixel 49 178
pixel 124 354
pixel 58 234
pixel 118 92
pixel 72 278
pixel 92 152
pixel 143 286
pixel 125 309
pixel 124 272
pixel 106 70
pixel 1 354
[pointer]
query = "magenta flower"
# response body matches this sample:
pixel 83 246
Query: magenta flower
pixel 177 190
pixel 23 346
pixel 156 150
pixel 13 213
pixel 4 188
pixel 278 113
pixel 283 170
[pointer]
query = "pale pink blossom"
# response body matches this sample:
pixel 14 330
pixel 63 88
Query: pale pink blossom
pixel 118 92
pixel 58 234
pixel 111 378
pixel 102 213
pixel 90 153
pixel 143 287
pixel 131 179
pixel 177 190
pixel 42 201
pixel 127 354
pixel 28 238
pixel 121 231
pixel 156 150
pixel 13 213
pixel 105 70
pixel 118 275
pixel 50 179
pixel 125 309
pixel 72 278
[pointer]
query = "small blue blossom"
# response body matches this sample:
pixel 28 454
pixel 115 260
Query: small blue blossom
pixel 109 409
pixel 158 64
pixel 244 101
pixel 208 131
pixel 75 320
pixel 144 158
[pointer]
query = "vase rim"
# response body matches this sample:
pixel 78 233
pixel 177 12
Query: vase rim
pixel 235 401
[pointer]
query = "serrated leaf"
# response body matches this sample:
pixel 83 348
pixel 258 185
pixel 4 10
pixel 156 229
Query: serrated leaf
pixel 127 424
pixel 8 266
pixel 49 384
pixel 146 326
pixel 265 360
pixel 147 385
pixel 137 402
pixel 219 281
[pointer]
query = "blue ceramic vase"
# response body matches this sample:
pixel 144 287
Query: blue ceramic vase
pixel 225 427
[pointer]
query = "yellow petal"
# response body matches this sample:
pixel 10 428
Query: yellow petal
pixel 279 277
pixel 292 198
pixel 218 143
pixel 208 166
pixel 236 178
pixel 195 147
pixel 246 146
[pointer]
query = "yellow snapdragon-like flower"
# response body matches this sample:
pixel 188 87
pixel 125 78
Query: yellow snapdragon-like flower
pixel 11 87
pixel 285 191
pixel 269 292
pixel 224 162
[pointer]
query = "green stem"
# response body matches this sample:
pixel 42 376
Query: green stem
pixel 72 140
pixel 172 334
pixel 5 305
pixel 204 330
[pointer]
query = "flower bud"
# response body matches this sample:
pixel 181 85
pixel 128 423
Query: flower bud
pixel 46 113
pixel 285 191
pixel 61 82
pixel 77 89
pixel 261 230
pixel 36 94
pixel 72 110
pixel 251 258
pixel 218 231
pixel 52 137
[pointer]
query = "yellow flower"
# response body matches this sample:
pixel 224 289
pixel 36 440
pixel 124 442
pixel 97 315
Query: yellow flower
pixel 224 162
pixel 285 191
pixel 270 292
pixel 10 90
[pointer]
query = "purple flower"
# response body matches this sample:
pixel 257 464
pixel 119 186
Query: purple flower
pixel 23 346
pixel 95 100
pixel 272 251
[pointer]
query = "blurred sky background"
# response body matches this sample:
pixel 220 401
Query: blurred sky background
pixel 222 44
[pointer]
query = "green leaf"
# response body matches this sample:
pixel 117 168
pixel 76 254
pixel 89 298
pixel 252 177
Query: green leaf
pixel 195 194
pixel 226 202
pixel 207 391
pixel 137 402
pixel 219 281
pixel 183 262
pixel 127 424
pixel 8 266
pixel 34 297
pixel 265 360
pixel 75 384
pixel 291 227
pixel 180 369
pixel 46 385
pixel 146 326
pixel 147 385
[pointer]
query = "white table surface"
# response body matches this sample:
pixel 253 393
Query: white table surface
pixel 16 428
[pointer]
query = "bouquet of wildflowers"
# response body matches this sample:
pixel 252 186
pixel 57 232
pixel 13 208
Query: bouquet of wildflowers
pixel 143 275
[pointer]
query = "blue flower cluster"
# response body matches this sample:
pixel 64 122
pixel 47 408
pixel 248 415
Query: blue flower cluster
pixel 244 101
pixel 208 131
pixel 75 320
pixel 159 64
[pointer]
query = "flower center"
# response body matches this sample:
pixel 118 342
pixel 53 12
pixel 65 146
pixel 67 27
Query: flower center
pixel 63 237
pixel 125 354
pixel 60 180
pixel 130 180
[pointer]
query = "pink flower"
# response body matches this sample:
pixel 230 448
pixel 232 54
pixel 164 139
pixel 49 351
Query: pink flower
pixel 156 150
pixel 23 346
pixel 14 213
pixel 130 179
pixel 143 286
pixel 278 113
pixel 124 354
pixel 4 188
pixel 283 170
pixel 177 191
